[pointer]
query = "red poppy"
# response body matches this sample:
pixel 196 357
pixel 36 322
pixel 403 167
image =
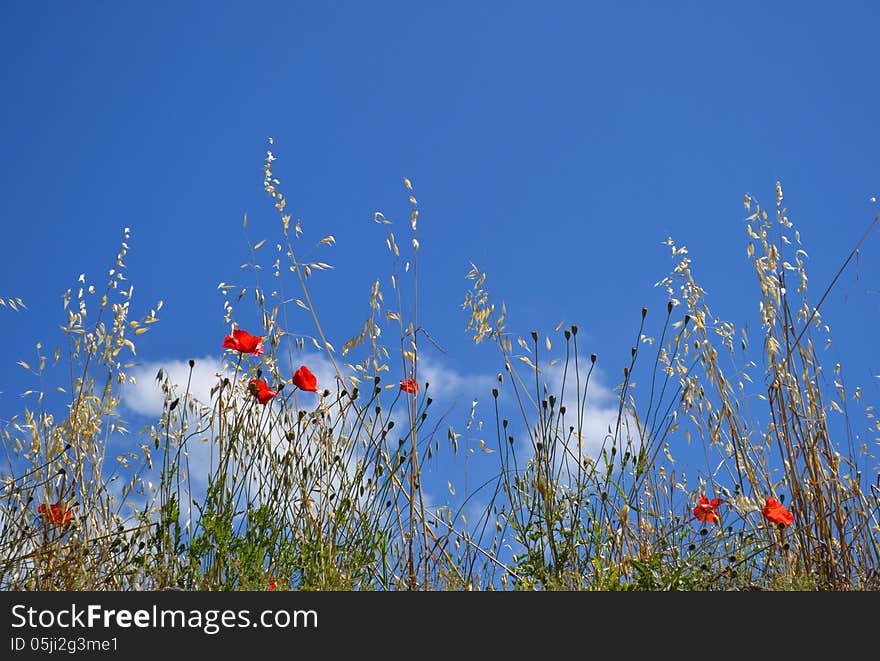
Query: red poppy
pixel 241 340
pixel 272 585
pixel 305 380
pixel 261 390
pixel 409 385
pixel 58 513
pixel 776 512
pixel 707 510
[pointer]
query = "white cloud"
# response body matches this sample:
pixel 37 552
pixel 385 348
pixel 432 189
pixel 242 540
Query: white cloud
pixel 445 382
pixel 146 397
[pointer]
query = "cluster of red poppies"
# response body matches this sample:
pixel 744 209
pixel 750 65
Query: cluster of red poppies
pixel 773 511
pixel 243 342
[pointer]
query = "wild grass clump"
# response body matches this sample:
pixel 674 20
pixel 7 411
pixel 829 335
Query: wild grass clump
pixel 280 481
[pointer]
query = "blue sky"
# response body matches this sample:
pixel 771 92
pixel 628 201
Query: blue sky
pixel 554 146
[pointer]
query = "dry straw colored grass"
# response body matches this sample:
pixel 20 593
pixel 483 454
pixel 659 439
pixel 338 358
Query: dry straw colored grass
pixel 323 491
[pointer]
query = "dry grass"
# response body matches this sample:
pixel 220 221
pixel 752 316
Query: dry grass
pixel 323 491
